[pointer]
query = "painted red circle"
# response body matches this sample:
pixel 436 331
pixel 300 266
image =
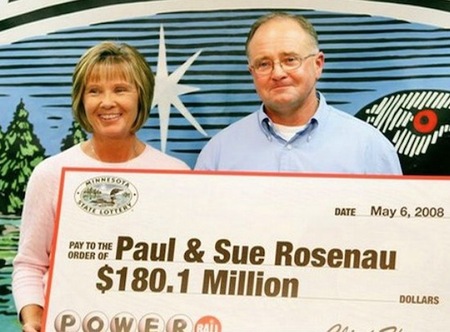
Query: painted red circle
pixel 425 121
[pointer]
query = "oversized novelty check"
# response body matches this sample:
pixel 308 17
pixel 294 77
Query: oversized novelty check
pixel 212 252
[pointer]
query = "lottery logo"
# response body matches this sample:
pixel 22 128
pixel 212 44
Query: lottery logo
pixel 106 196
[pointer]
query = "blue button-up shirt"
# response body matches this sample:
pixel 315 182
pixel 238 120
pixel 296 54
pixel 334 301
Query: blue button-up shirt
pixel 332 142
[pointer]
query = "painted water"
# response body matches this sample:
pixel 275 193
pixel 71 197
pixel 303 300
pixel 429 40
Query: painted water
pixel 9 230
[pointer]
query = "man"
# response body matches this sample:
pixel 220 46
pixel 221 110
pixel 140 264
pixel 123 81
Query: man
pixel 295 130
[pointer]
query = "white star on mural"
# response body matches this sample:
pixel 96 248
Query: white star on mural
pixel 167 91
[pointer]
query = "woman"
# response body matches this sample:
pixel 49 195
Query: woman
pixel 112 92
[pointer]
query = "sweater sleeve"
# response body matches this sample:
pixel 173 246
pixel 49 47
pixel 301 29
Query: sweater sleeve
pixel 31 263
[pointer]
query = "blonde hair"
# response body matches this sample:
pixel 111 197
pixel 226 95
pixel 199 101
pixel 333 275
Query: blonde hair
pixel 113 59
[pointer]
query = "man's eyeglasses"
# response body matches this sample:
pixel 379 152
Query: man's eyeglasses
pixel 287 63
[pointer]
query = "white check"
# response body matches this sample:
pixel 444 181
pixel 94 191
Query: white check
pixel 212 252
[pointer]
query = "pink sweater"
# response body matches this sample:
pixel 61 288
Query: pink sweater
pixel 32 261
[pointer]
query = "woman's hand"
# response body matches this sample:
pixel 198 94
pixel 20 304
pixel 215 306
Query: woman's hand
pixel 31 327
pixel 31 318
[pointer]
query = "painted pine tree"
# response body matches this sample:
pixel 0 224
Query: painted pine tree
pixel 3 201
pixel 76 135
pixel 21 152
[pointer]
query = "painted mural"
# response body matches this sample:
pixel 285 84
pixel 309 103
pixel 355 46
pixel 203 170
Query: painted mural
pixel 391 72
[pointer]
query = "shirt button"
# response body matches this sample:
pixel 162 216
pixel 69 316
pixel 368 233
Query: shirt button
pixel 289 147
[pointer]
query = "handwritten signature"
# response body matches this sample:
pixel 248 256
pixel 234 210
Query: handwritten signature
pixel 341 328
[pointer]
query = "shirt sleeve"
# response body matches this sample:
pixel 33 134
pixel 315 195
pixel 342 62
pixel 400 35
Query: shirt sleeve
pixel 383 157
pixel 207 159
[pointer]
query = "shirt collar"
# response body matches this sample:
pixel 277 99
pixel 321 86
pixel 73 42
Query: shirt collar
pixel 266 124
